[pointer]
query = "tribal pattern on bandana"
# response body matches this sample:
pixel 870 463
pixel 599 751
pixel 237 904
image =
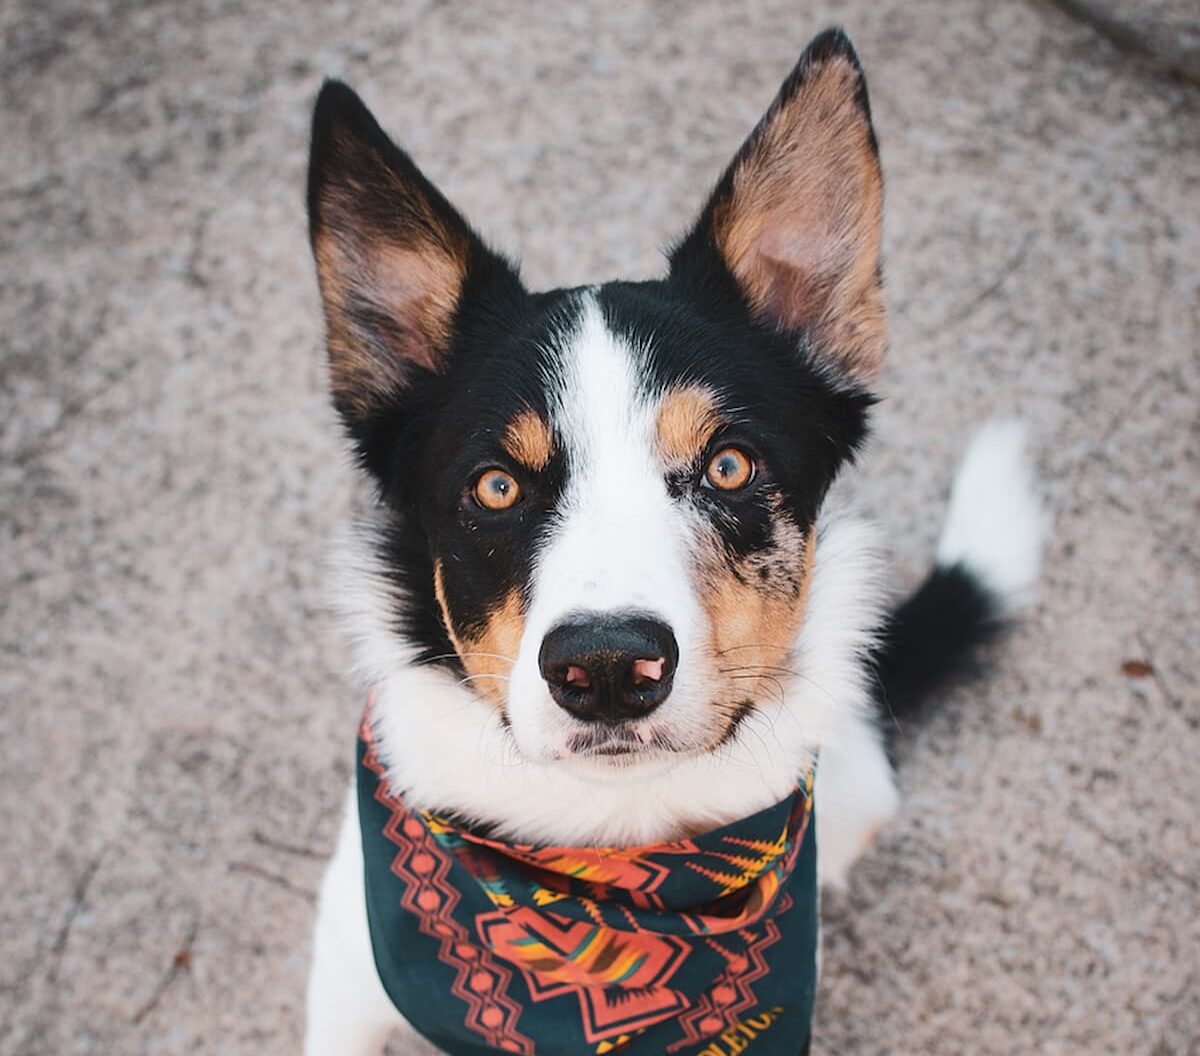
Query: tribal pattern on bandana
pixel 699 947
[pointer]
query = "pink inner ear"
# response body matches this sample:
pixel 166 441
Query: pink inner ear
pixel 794 263
pixel 419 287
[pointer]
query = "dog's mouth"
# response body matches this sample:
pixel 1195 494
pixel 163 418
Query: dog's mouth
pixel 650 741
pixel 636 741
pixel 621 742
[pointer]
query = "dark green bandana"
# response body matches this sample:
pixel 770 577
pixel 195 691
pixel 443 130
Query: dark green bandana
pixel 700 947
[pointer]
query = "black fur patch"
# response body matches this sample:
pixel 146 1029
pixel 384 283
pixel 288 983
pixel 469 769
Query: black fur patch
pixel 931 639
pixel 427 446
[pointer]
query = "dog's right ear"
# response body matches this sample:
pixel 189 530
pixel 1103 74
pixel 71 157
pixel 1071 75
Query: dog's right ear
pixel 394 258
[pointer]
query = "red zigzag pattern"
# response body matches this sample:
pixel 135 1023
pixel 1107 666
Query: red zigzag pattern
pixel 479 981
pixel 731 995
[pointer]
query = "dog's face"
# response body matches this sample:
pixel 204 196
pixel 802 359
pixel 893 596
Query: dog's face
pixel 601 502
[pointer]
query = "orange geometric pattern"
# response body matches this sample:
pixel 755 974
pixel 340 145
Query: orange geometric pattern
pixel 585 959
pixel 671 937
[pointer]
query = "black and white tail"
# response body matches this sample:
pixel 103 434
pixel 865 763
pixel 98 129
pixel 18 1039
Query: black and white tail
pixel 988 561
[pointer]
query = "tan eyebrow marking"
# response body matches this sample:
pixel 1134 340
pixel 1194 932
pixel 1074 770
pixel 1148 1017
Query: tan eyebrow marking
pixel 687 419
pixel 528 439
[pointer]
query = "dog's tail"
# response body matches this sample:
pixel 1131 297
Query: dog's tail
pixel 988 561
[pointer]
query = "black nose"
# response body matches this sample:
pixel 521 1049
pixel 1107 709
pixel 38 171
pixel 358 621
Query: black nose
pixel 609 668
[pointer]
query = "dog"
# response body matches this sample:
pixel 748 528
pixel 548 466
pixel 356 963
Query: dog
pixel 606 616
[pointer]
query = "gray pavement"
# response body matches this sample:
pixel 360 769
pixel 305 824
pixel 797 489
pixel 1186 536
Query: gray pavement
pixel 175 724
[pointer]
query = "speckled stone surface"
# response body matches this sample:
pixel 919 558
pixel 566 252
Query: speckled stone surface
pixel 1163 34
pixel 176 729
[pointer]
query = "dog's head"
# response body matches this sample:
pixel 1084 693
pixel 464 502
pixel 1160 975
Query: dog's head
pixel 602 501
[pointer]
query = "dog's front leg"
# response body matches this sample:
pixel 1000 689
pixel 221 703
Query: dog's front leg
pixel 855 795
pixel 349 1014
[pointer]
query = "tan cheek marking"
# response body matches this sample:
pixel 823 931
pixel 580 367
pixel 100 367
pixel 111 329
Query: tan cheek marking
pixel 753 621
pixel 487 657
pixel 529 440
pixel 687 419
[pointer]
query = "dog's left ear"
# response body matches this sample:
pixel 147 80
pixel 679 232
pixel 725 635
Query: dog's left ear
pixel 796 219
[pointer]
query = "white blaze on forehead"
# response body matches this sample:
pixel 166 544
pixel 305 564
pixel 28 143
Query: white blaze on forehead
pixel 619 543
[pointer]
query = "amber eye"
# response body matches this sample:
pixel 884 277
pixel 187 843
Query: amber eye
pixel 731 469
pixel 496 490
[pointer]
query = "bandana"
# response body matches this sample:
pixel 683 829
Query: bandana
pixel 698 947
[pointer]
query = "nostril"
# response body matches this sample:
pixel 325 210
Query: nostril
pixel 577 677
pixel 648 672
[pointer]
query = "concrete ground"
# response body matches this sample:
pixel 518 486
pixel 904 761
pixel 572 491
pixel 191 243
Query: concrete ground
pixel 176 727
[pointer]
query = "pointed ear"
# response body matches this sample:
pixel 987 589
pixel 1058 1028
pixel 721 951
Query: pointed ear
pixel 796 219
pixel 393 256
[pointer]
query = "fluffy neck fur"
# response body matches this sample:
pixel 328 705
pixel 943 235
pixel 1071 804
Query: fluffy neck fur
pixel 448 749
